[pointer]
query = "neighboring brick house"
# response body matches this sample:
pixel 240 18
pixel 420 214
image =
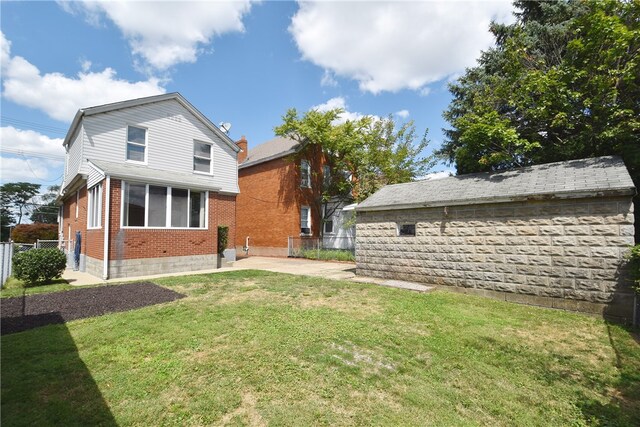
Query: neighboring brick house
pixel 146 183
pixel 554 235
pixel 280 181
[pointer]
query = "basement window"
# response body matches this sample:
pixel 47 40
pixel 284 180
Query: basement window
pixel 406 229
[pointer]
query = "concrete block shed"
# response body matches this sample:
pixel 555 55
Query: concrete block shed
pixel 554 235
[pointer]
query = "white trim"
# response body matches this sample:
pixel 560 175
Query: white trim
pixel 107 207
pixel 91 202
pixel 168 208
pixel 77 202
pixel 308 221
pixel 145 145
pixel 210 158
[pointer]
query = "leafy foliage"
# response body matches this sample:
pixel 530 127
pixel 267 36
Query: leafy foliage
pixel 362 154
pixel 634 264
pixel 561 83
pixel 38 266
pixel 223 238
pixel 30 233
pixel 15 197
pixel 46 210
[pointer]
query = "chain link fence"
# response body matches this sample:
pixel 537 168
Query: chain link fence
pixel 334 248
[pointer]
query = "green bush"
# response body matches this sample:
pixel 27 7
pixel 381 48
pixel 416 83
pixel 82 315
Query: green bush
pixel 223 238
pixel 634 264
pixel 39 266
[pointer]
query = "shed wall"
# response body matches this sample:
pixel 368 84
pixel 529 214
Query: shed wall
pixel 566 254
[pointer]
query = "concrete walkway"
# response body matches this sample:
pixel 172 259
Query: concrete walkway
pixel 305 267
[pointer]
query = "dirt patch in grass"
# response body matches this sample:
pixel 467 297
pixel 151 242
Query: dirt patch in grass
pixel 246 412
pixel 28 312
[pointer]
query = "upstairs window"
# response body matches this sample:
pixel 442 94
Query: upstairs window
pixel 326 176
pixel 305 220
pixel 202 157
pixel 136 144
pixel 305 174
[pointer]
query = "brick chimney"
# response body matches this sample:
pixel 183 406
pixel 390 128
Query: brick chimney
pixel 242 143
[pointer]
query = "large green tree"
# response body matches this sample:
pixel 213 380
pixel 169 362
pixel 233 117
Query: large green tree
pixel 45 209
pixel 16 197
pixel 561 83
pixel 362 154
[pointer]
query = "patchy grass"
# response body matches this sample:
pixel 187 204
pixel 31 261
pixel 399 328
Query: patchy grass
pixel 329 255
pixel 15 288
pixel 258 348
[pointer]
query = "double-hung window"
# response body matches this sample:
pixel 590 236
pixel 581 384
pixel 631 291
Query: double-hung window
pixel 326 176
pixel 305 174
pixel 305 220
pixel 94 219
pixel 163 207
pixel 202 157
pixel 328 222
pixel 136 144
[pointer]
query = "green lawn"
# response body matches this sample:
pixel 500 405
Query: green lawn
pixel 257 348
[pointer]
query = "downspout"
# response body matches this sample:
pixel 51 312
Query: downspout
pixel 107 206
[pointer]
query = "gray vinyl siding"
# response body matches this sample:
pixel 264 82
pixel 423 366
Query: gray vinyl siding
pixel 94 177
pixel 171 130
pixel 74 156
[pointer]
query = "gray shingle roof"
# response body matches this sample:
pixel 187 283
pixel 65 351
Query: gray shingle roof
pixel 155 176
pixel 571 179
pixel 273 149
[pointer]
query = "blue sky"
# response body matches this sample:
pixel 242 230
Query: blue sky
pixel 240 62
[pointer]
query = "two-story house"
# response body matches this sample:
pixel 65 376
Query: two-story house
pixel 281 182
pixel 146 184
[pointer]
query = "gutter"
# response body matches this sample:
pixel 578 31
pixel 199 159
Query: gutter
pixel 107 210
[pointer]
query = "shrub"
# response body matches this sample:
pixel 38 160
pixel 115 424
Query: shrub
pixel 634 264
pixel 39 266
pixel 30 233
pixel 223 238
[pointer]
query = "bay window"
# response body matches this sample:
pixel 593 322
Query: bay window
pixel 145 205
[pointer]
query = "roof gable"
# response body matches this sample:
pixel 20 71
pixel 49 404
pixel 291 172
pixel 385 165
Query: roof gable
pixel 570 179
pixel 270 150
pixel 144 101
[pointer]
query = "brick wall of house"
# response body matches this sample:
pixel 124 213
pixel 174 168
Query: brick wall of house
pixel 76 223
pixel 564 254
pixel 268 206
pixel 157 243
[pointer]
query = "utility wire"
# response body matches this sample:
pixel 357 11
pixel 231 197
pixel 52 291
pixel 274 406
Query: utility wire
pixel 35 125
pixel 23 153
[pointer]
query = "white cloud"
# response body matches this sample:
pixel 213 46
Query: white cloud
pixel 390 46
pixel 403 114
pixel 18 161
pixel 437 175
pixel 18 169
pixel 168 32
pixel 60 96
pixel 29 140
pixel 328 79
pixel 338 102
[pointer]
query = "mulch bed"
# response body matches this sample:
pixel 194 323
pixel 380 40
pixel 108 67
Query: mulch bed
pixel 27 312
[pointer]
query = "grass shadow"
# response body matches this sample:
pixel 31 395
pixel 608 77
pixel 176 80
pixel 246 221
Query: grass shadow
pixel 624 407
pixel 64 391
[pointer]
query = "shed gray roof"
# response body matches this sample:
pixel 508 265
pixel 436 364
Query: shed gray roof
pixel 572 179
pixel 154 176
pixel 270 150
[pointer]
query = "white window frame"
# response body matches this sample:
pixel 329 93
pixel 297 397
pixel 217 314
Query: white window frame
pixel 77 203
pixel 308 221
pixel 93 206
pixel 168 208
pixel 325 221
pixel 210 158
pixel 146 145
pixel 306 166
